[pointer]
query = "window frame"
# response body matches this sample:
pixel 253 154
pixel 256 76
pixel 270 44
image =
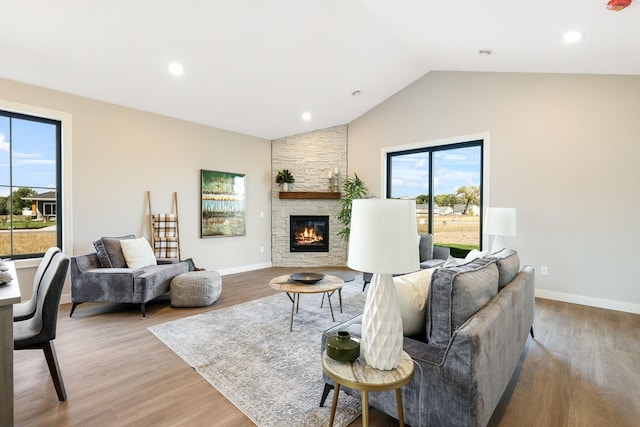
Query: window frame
pixel 439 145
pixel 58 153
pixel 65 165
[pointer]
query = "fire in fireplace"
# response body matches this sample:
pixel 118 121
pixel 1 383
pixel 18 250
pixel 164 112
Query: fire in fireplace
pixel 309 233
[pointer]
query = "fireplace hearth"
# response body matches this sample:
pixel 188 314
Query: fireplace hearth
pixel 309 233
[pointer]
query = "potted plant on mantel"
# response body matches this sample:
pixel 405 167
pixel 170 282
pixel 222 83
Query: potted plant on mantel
pixel 284 178
pixel 352 188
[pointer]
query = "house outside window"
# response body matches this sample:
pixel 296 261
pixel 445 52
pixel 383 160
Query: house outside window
pixel 30 183
pixel 446 182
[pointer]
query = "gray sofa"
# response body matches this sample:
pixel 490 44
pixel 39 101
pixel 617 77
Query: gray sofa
pixel 477 321
pixel 430 255
pixel 104 276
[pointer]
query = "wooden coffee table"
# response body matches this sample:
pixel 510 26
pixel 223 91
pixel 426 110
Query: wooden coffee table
pixel 328 285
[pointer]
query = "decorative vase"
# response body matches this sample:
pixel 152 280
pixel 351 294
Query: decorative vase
pixel 381 342
pixel 285 186
pixel 342 348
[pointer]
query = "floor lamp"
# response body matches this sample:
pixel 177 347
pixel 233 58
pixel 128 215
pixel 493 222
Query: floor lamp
pixel 500 222
pixel 383 240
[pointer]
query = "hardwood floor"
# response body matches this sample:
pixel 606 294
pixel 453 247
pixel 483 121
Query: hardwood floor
pixel 582 369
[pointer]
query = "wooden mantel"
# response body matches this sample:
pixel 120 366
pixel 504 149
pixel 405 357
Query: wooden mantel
pixel 309 195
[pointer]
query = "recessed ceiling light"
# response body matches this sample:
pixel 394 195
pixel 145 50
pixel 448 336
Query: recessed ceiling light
pixel 176 69
pixel 485 52
pixel 572 36
pixel 306 116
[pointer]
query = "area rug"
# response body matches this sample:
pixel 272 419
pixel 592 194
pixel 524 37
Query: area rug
pixel 272 375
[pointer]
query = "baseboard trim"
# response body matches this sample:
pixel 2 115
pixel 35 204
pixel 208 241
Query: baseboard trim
pixel 245 268
pixel 590 301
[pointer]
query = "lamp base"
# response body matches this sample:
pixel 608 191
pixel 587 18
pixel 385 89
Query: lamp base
pixel 381 341
pixel 497 245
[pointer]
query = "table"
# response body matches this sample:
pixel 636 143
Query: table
pixel 360 376
pixel 9 295
pixel 328 285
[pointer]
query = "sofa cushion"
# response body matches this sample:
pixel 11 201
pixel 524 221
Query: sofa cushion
pixel 413 290
pixel 508 263
pixel 137 252
pixel 110 252
pixel 456 293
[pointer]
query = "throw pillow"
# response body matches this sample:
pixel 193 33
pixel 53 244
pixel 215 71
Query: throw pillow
pixel 450 262
pixel 508 263
pixel 138 253
pixel 109 251
pixel 413 292
pixel 475 254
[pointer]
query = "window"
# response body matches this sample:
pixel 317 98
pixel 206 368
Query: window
pixel 446 182
pixel 30 184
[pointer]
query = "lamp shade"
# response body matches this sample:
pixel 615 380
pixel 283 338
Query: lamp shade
pixel 383 237
pixel 500 222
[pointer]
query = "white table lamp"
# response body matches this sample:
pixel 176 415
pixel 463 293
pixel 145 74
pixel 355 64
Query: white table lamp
pixel 500 222
pixel 383 241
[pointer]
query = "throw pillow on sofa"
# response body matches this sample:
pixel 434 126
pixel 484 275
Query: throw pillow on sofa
pixel 508 263
pixel 109 251
pixel 138 253
pixel 413 292
pixel 474 254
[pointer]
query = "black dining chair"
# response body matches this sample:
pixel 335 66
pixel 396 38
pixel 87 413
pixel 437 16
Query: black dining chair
pixel 39 331
pixel 26 310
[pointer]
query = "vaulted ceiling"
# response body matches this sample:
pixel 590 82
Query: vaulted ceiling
pixel 255 66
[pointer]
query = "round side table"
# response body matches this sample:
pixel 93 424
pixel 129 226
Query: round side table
pixel 328 285
pixel 360 376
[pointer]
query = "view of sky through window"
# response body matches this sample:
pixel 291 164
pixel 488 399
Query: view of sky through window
pixel 33 148
pixel 453 169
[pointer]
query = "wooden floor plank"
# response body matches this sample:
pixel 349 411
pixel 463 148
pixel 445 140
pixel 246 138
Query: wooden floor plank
pixel 583 369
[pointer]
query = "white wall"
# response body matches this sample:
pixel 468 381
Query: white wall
pixel 564 152
pixel 119 153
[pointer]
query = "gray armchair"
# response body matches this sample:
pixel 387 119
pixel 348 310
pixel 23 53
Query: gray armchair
pixel 430 255
pixel 104 276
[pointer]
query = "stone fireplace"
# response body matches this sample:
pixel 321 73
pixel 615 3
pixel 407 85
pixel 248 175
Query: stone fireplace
pixel 310 157
pixel 309 233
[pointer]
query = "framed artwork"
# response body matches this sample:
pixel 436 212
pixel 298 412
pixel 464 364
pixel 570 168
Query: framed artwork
pixel 222 197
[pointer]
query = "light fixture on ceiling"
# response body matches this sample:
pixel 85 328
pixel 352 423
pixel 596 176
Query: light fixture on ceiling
pixel 572 36
pixel 618 5
pixel 306 116
pixel 176 69
pixel 485 52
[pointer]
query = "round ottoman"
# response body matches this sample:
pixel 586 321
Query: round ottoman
pixel 195 288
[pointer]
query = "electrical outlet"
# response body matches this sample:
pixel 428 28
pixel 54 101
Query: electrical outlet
pixel 544 270
pixel 261 249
